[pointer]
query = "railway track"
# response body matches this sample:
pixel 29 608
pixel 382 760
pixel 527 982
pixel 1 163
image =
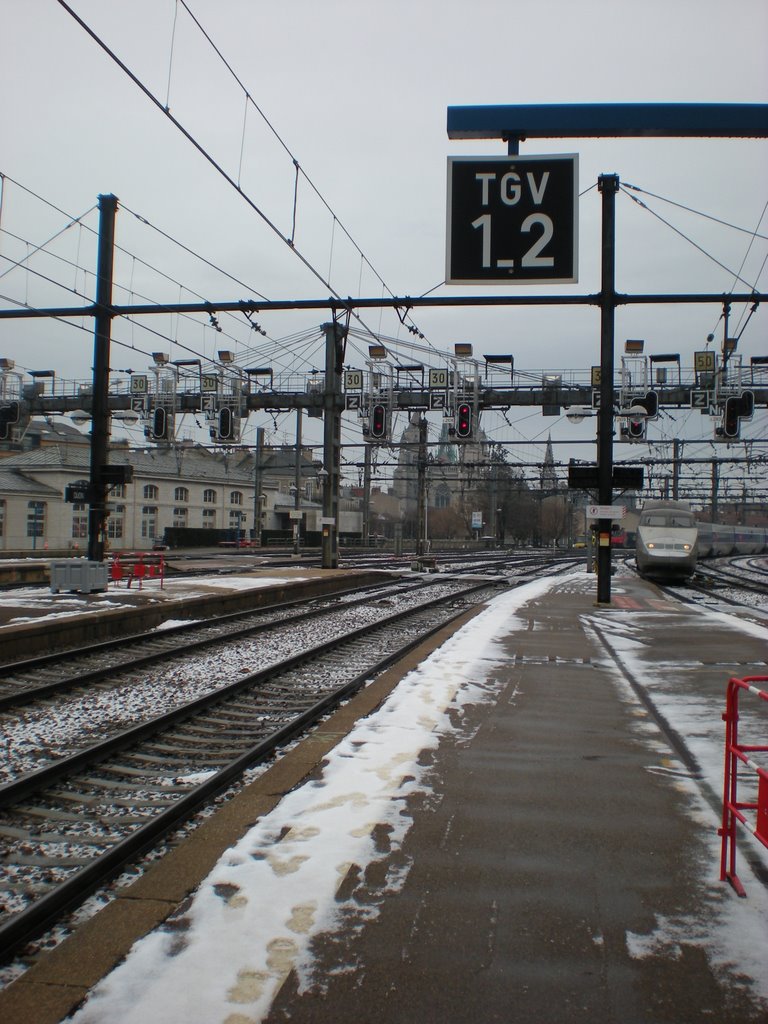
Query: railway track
pixel 732 575
pixel 42 676
pixel 72 824
pixel 707 586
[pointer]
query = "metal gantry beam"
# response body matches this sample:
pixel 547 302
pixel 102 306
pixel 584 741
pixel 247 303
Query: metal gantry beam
pixel 401 302
pixel 608 120
pixel 489 398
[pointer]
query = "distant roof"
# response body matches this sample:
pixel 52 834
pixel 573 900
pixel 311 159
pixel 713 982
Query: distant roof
pixel 54 456
pixel 14 482
pixel 195 462
pixel 216 466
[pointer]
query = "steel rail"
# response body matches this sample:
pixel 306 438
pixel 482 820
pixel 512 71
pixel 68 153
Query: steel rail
pixel 40 660
pixel 31 921
pixel 26 695
pixel 31 782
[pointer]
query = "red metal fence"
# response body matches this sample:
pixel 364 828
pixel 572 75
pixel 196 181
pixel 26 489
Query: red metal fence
pixel 741 754
pixel 138 566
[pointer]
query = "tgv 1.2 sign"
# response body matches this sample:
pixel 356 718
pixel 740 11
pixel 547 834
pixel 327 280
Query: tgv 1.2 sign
pixel 512 220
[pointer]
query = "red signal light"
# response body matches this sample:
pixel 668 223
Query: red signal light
pixel 636 429
pixel 464 420
pixel 379 421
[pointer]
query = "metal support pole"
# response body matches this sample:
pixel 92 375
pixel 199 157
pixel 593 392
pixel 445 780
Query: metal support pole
pixel 421 491
pixel 715 488
pixel 100 407
pixel 727 352
pixel 608 185
pixel 332 406
pixel 367 496
pixel 676 453
pixel 296 488
pixel 257 486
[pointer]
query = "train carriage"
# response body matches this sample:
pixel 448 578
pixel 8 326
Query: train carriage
pixel 670 541
pixel 666 541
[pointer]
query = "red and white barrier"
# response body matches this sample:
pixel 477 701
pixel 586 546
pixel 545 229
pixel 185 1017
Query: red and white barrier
pixel 736 754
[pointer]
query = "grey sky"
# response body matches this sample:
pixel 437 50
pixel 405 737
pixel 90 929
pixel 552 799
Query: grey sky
pixel 359 92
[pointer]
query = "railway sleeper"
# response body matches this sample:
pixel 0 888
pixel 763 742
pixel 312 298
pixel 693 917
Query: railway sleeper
pixel 184 748
pixel 56 838
pixel 45 813
pixel 126 784
pixel 203 733
pixel 40 861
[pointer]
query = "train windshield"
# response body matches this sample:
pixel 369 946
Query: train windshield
pixel 680 520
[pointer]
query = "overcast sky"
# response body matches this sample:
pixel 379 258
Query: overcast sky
pixel 358 93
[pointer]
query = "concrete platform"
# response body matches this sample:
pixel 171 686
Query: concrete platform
pixel 37 620
pixel 546 847
pixel 558 871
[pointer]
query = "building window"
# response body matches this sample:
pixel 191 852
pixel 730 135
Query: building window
pixel 236 520
pixel 236 498
pixel 148 522
pixel 79 522
pixel 115 522
pixel 209 496
pixel 180 515
pixel 118 491
pixel 443 496
pixel 180 494
pixel 2 516
pixel 209 518
pixel 151 492
pixel 36 519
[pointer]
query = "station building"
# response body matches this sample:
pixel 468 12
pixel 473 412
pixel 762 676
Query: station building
pixel 181 487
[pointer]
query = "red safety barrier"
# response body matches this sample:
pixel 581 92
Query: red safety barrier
pixel 740 753
pixel 138 565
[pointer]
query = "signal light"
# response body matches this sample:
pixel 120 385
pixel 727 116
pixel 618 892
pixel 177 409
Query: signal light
pixel 226 424
pixel 645 408
pixel 9 414
pixel 159 431
pixel 379 421
pixel 747 405
pixel 731 417
pixel 464 420
pixel 635 429
pixel 651 403
pixel 737 408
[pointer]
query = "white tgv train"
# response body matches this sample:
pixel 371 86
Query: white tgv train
pixel 666 540
pixel 670 541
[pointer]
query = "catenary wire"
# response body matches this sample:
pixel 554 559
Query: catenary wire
pixel 682 234
pixel 208 156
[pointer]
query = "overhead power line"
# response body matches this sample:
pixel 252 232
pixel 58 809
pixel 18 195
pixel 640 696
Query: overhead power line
pixel 688 209
pixel 214 162
pixel 690 241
